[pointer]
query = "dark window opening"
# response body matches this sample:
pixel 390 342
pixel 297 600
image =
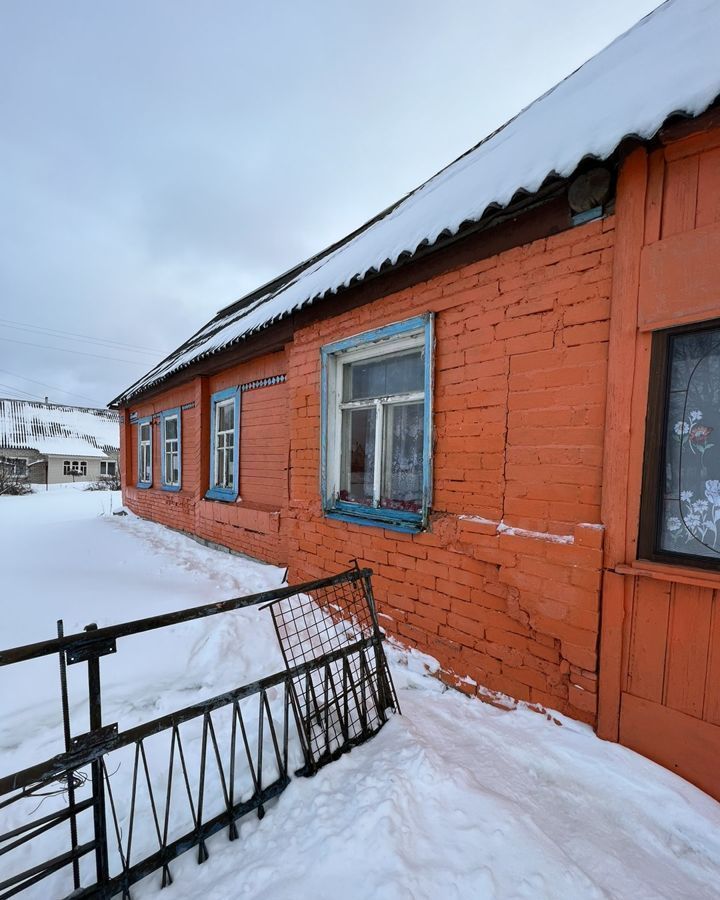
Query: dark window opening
pixel 680 512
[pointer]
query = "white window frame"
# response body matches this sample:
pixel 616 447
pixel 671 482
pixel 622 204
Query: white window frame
pixel 74 467
pixel 222 451
pixel 145 453
pixel 106 463
pixel 167 483
pixel 389 341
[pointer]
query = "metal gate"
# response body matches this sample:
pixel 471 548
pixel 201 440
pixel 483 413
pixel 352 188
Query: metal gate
pixel 198 770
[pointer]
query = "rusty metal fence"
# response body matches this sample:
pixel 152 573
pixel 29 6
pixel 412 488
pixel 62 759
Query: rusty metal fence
pixel 198 770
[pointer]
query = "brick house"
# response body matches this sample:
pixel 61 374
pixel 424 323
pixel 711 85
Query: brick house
pixel 476 393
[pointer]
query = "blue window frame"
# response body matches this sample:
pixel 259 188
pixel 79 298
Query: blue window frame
pixel 145 452
pixel 376 424
pixel 171 449
pixel 224 444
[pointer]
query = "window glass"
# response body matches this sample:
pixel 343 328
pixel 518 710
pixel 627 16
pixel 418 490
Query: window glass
pixel 226 415
pixel 402 476
pixel 172 451
pixel 690 516
pixel 171 429
pixel 225 444
pixel 394 374
pixel 378 437
pixel 145 461
pixel 357 464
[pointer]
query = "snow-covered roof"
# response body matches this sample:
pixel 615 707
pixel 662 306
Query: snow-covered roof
pixel 666 64
pixel 58 430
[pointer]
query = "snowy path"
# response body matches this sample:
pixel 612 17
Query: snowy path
pixel 455 799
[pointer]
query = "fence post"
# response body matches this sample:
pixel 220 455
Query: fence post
pixel 71 775
pixel 98 785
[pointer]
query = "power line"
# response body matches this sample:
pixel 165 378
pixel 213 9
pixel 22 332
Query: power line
pixel 9 387
pixel 130 362
pixel 74 336
pixel 77 334
pixel 45 385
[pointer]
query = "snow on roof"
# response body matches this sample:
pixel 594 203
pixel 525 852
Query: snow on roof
pixel 665 64
pixel 58 430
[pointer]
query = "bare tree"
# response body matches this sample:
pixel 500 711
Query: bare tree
pixel 11 481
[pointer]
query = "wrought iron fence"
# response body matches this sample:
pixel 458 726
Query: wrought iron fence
pixel 198 770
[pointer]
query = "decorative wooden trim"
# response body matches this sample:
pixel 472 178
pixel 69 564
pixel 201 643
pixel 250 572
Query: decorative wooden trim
pixel 263 382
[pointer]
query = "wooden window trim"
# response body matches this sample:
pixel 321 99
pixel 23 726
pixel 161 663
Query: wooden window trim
pixel 377 343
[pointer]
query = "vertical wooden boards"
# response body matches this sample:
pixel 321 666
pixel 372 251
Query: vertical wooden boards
pixel 648 644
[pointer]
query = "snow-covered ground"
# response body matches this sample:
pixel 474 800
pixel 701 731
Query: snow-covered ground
pixel 454 799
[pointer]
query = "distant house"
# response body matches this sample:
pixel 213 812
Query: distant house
pixel 503 394
pixel 47 443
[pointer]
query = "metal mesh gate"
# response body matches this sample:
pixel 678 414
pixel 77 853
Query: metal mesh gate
pixel 196 771
pixel 345 701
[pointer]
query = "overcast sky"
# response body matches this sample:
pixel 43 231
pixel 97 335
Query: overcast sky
pixel 160 159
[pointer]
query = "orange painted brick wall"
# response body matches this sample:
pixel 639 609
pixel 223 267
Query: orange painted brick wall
pixel 252 524
pixel 520 378
pixel 503 588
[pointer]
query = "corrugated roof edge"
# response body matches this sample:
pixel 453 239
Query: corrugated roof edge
pixel 445 238
pixel 105 410
pixel 267 291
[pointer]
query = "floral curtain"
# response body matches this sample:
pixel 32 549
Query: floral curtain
pixel 691 503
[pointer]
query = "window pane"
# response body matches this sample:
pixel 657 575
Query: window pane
pixel 172 471
pixel 145 432
pixel 225 415
pixel 171 428
pixel 402 482
pixel 229 467
pixel 384 377
pixel 357 461
pixel 691 502
pixel 111 468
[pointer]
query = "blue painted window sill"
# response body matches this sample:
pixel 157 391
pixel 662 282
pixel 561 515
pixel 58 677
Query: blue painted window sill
pixel 219 494
pixel 144 485
pixel 367 519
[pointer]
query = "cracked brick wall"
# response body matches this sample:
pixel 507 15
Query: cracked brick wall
pixel 504 587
